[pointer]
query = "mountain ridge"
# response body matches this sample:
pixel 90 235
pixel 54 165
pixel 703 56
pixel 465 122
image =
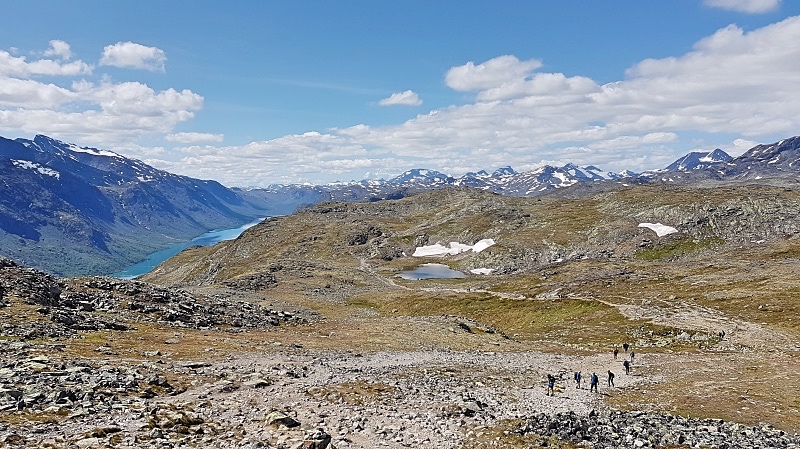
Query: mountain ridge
pixel 109 211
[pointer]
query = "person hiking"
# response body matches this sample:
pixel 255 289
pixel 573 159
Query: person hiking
pixel 616 352
pixel 578 377
pixel 551 382
pixel 632 355
pixel 627 366
pixel 625 347
pixel 610 378
pixel 593 383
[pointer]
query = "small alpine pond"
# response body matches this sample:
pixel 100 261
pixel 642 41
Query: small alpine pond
pixel 431 271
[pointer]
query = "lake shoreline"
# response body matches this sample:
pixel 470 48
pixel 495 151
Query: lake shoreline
pixel 206 239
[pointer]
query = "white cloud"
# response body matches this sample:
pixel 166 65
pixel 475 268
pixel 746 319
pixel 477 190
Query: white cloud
pixel 19 67
pixel 60 49
pixel 407 98
pixel 104 113
pixel 194 138
pixel 134 56
pixel 745 6
pixel 490 74
pixel 16 93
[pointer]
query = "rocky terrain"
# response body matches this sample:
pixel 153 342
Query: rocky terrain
pixel 299 335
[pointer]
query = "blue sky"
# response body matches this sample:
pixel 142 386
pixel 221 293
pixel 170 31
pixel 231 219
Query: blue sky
pixel 257 93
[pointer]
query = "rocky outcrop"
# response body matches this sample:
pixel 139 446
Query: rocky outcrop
pixel 67 306
pixel 615 429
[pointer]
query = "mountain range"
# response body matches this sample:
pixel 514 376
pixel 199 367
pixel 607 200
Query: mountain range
pixel 74 210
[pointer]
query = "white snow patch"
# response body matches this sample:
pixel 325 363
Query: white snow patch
pixel 93 151
pixel 484 271
pixel 660 229
pixel 439 250
pixel 482 245
pixel 34 166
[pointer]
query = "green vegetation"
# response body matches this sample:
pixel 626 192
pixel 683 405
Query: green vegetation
pixel 678 248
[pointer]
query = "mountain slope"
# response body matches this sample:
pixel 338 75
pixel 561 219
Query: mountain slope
pixel 72 210
pixel 698 160
pixel 530 232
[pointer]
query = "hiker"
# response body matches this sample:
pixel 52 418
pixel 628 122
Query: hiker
pixel 616 351
pixel 578 377
pixel 625 347
pixel 627 366
pixel 632 354
pixel 551 382
pixel 593 384
pixel 721 334
pixel 610 378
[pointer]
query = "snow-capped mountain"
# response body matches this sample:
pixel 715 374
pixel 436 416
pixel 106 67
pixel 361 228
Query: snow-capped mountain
pixel 777 159
pixel 698 160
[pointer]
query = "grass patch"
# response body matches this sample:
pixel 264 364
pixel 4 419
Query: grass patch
pixel 568 321
pixel 733 387
pixel 677 248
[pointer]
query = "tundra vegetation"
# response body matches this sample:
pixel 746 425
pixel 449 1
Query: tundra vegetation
pixel 300 332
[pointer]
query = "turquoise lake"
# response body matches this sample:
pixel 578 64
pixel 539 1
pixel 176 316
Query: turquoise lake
pixel 207 239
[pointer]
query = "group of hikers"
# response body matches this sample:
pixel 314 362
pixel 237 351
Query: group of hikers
pixel 594 380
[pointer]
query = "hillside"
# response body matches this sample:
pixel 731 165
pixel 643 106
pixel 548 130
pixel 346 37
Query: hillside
pixel 300 334
pixel 72 210
pixel 575 276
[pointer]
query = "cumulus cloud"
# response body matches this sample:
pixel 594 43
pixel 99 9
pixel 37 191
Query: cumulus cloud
pixel 77 109
pixel 407 98
pixel 16 93
pixel 194 138
pixel 60 49
pixel 134 56
pixel 745 6
pixel 490 74
pixel 20 67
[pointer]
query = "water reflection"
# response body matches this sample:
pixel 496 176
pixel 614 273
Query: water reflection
pixel 431 271
pixel 207 239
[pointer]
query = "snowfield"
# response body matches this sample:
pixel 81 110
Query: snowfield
pixel 439 250
pixel 660 229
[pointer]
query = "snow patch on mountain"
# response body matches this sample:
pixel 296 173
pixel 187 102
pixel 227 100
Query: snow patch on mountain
pixel 439 250
pixel 36 167
pixel 92 151
pixel 660 229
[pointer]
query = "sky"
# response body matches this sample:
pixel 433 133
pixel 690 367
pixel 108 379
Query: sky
pixel 258 93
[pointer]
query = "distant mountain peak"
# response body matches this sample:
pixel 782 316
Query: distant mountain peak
pixel 418 174
pixel 49 144
pixel 504 171
pixel 699 160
